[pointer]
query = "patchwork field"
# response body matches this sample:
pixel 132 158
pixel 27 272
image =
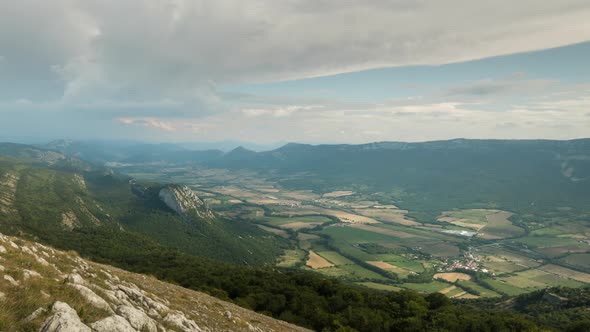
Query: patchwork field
pixel 452 276
pixel 388 215
pixel 578 260
pixel 365 238
pixel 316 261
pixel 499 227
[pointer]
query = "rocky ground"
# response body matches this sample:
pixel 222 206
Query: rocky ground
pixel 43 289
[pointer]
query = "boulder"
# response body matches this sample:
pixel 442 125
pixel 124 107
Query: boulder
pixel 92 298
pixel 11 280
pixel 179 320
pixel 137 318
pixel 64 319
pixel 113 323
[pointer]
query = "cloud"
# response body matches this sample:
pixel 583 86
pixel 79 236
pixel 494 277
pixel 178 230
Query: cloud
pixel 180 49
pixel 135 67
pixel 147 122
pixel 502 87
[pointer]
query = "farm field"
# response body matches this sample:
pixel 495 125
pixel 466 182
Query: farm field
pixel 364 237
pixel 316 261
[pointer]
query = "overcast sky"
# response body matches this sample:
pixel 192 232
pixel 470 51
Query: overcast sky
pixel 307 71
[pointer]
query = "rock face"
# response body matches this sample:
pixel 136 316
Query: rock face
pixel 177 319
pixel 184 201
pixel 138 319
pixel 63 319
pixel 112 324
pixel 82 296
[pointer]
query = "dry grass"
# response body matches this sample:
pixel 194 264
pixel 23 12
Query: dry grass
pixel 338 193
pixel 565 272
pixel 382 265
pixel 388 215
pixel 452 276
pixel 447 290
pixel 316 261
pixel 297 225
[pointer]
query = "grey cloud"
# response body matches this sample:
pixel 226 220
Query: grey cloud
pixel 176 48
pixel 511 86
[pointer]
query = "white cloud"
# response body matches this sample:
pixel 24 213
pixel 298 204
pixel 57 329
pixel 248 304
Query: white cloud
pixel 148 122
pixel 157 65
pixel 177 48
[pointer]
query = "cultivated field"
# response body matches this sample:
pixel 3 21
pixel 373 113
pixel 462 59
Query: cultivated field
pixel 452 276
pixel 316 261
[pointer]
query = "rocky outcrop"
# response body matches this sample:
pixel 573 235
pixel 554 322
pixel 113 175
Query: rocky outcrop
pixel 67 293
pixel 138 319
pixel 63 319
pixel 184 201
pixel 112 324
pixel 179 320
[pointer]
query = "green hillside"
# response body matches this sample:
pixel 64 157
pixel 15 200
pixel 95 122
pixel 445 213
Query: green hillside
pixel 58 204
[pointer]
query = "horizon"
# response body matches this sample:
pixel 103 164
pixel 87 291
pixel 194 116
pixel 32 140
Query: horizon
pixel 228 146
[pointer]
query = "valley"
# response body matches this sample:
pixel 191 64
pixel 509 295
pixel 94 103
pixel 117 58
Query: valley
pixel 268 236
pixel 364 237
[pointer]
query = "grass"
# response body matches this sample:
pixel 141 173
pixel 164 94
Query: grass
pixel 335 258
pixel 505 288
pixel 291 258
pixel 378 286
pixel 546 241
pixel 470 285
pixel 430 287
pixel 21 301
pixel 581 260
pixel 279 221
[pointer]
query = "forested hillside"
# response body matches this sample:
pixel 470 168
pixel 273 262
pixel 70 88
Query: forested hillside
pixel 56 203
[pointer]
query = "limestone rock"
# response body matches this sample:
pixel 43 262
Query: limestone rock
pixel 92 298
pixel 11 280
pixel 179 320
pixel 137 318
pixel 27 274
pixel 75 278
pixel 113 323
pixel 64 319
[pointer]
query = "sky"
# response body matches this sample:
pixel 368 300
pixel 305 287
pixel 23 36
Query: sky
pixel 315 71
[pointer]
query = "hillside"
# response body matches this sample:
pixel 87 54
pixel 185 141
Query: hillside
pixel 50 290
pixel 108 219
pixel 524 176
pixel 59 204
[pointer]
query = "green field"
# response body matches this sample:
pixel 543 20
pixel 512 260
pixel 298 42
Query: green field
pixel 430 287
pixel 291 258
pixel 335 258
pixel 378 286
pixel 504 288
pixel 580 260
pixel 482 291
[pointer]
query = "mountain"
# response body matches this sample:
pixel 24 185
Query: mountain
pixel 102 152
pixel 58 204
pixel 517 175
pixel 51 290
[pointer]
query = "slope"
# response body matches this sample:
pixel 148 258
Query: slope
pixel 43 288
